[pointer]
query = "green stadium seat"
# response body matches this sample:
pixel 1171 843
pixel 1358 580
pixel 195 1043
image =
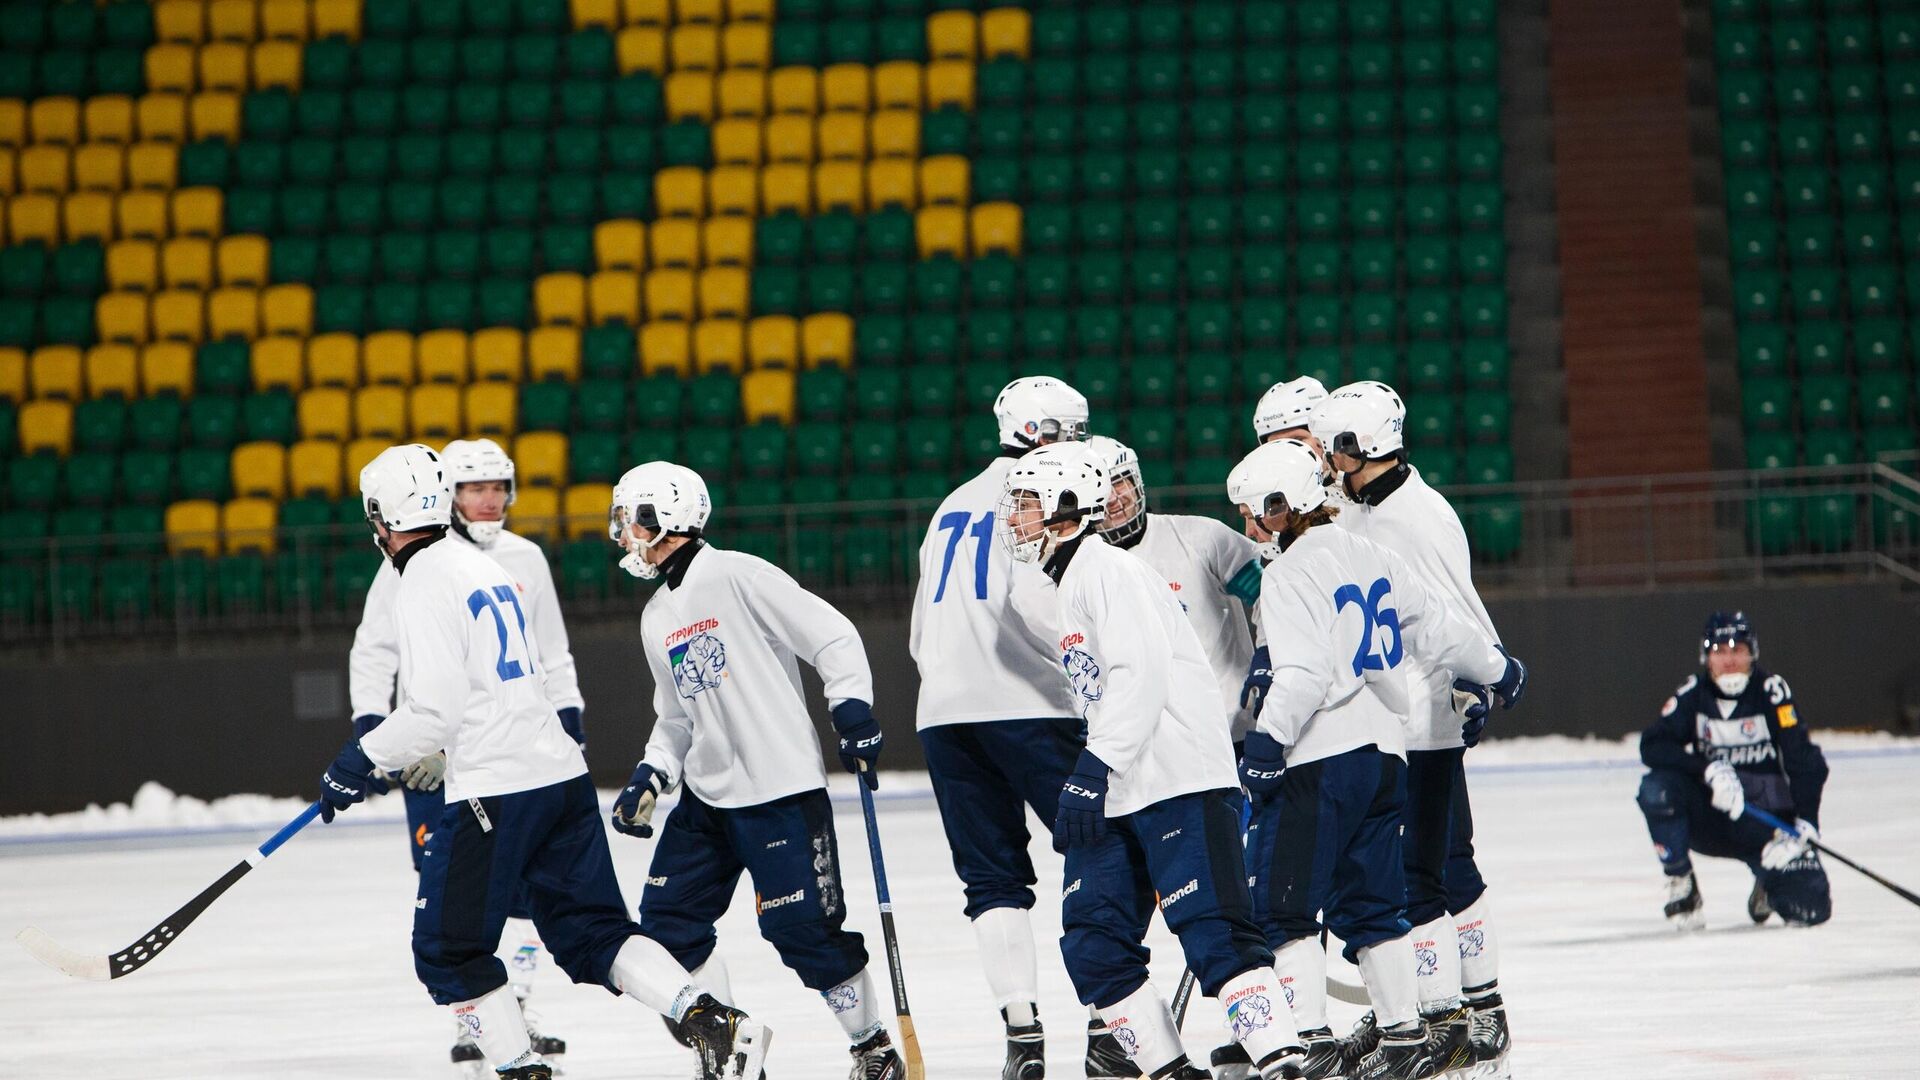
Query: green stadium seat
pixel 202 474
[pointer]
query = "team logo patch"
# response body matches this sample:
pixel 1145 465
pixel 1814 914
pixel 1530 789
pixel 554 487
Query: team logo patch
pixel 1249 1013
pixel 1472 942
pixel 842 998
pixel 1128 1039
pixel 699 663
pixel 1426 959
pixel 1084 673
pixel 468 1019
pixel 1787 717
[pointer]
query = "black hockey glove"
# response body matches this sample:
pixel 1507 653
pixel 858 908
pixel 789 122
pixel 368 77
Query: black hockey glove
pixel 345 781
pixel 1253 694
pixel 860 740
pixel 633 810
pixel 1263 762
pixel 1082 817
pixel 1512 685
pixel 1471 701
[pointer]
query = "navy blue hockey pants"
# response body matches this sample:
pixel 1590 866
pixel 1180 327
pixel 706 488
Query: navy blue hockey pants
pixel 424 809
pixel 984 778
pixel 1329 841
pixel 546 848
pixel 1681 819
pixel 1182 855
pixel 788 846
pixel 1438 850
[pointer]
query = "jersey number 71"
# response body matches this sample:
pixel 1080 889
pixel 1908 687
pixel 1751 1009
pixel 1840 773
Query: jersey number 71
pixel 982 534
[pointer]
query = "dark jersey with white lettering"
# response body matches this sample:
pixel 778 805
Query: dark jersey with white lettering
pixel 1759 733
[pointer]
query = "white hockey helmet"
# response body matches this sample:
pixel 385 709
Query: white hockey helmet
pixel 472 461
pixel 1036 407
pixel 1125 516
pixel 1283 473
pixel 1287 405
pixel 661 497
pixel 406 489
pixel 1366 420
pixel 1048 485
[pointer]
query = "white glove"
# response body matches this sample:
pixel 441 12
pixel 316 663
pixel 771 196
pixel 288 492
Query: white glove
pixel 1728 796
pixel 1785 847
pixel 425 774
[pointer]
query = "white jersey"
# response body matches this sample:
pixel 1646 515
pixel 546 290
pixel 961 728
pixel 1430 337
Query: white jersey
pixel 375 660
pixel 1344 620
pixel 1416 523
pixel 470 679
pixel 1151 702
pixel 1214 572
pixel 980 657
pixel 724 646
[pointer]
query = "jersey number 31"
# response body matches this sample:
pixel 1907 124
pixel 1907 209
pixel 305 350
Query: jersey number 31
pixel 1368 656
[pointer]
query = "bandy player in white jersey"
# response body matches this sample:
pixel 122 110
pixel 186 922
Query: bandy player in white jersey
pixel 522 820
pixel 999 726
pixel 1361 426
pixel 481 474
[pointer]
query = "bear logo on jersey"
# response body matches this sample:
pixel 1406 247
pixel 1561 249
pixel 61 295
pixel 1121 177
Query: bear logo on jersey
pixel 1249 1014
pixel 843 998
pixel 1084 672
pixel 698 664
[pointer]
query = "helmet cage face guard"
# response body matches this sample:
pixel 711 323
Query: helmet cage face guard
pixel 1123 531
pixel 1043 541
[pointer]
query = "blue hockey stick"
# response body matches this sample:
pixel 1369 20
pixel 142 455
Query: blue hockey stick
pixel 909 1041
pixel 1768 819
pixel 141 952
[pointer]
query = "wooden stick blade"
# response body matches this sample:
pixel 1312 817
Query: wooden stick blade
pixel 60 958
pixel 910 1049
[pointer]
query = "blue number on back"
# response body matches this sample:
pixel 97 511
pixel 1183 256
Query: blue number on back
pixel 1366 655
pixel 982 534
pixel 507 669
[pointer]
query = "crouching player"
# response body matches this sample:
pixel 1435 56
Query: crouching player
pixel 723 635
pixel 1151 812
pixel 521 823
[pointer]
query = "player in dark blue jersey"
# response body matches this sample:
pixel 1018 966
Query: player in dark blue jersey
pixel 1729 738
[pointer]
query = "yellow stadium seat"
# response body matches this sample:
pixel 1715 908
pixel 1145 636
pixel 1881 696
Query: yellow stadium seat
pixel 386 358
pixel 897 84
pixel 46 427
pixel 358 454
pixel 133 264
pixel 719 345
pixel 98 167
pixel 327 412
pixel 666 346
pixel 553 352
pixel 951 35
pixel 891 182
pixel 55 121
pixel 500 353
pixel 287 309
pixel 750 10
pixel 674 243
pixel 795 90
pixel 186 262
pixel 313 469
pixel 669 294
pixel 786 189
pixel 826 337
pixel 223 66
pixel 9 178
pixel 560 299
pixel 694 48
pixel 162 117
pixel 94 215
pixel 260 470
pixel 690 96
pixel 197 211
pixel 276 65
pixel 620 244
pixel 380 412
pixel 490 409
pixel 248 524
pixel 536 512
pixel 13 374
pixel 166 367
pixel 767 396
pixel 843 137
pixel 837 187
pixel 183 21
pixel 941 230
pixel 737 142
pixel 284 20
pixel 641 48
pixel 334 360
pixel 743 93
pixel 604 14
pixel 113 370
pixel 337 18
pixel 540 460
pixel 241 260
pixel 179 315
pixel 215 114
pixel 646 12
pixel 34 219
pixel 773 341
pixel 57 372
pixel 277 364
pixel 950 85
pixel 108 118
pixel 153 165
pixel 232 20
pixel 733 190
pixel 13 123
pixel 746 46
pixel 847 87
pixel 193 528
pixel 1006 32
pixel 434 412
pixel 790 139
pixel 46 169
pixel 944 180
pixel 696 11
pixel 122 316
pixel 727 241
pixel 614 296
pixel 585 510
pixel 723 292
pixel 679 191
pixel 896 133
pixel 443 356
pixel 996 229
pixel 141 215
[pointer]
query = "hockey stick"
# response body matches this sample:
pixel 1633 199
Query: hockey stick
pixel 909 1042
pixel 141 952
pixel 1768 819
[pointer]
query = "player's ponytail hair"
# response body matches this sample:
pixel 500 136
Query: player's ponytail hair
pixel 1298 524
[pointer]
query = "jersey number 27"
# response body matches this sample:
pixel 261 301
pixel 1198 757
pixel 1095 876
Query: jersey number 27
pixel 982 535
pixel 1368 656
pixel 508 670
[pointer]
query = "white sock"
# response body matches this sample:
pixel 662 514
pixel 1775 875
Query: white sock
pixel 1005 939
pixel 522 944
pixel 497 1028
pixel 1258 1016
pixel 713 978
pixel 646 972
pixel 1437 959
pixel 854 1005
pixel 1144 1028
pixel 1301 968
pixel 1387 967
pixel 1479 949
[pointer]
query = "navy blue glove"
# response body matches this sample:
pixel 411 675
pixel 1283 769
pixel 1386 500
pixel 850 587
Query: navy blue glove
pixel 379 782
pixel 1082 817
pixel 570 720
pixel 345 781
pixel 1472 701
pixel 1253 695
pixel 1513 682
pixel 860 739
pixel 633 810
pixel 1262 762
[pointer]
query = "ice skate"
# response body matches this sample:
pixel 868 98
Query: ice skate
pixel 468 1062
pixel 1487 1033
pixel 1184 1070
pixel 1414 1052
pixel 1449 1041
pixel 536 1071
pixel 1364 1036
pixel 1105 1059
pixel 1026 1051
pixel 1330 1058
pixel 732 1045
pixel 549 1047
pixel 1230 1062
pixel 1759 908
pixel 875 1059
pixel 1683 902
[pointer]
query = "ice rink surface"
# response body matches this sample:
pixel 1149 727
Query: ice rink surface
pixel 302 972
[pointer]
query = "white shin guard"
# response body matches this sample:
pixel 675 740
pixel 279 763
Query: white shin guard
pixel 1005 938
pixel 496 1026
pixel 713 978
pixel 1479 950
pixel 854 1005
pixel 1437 958
pixel 1387 968
pixel 1144 1028
pixel 646 972
pixel 521 942
pixel 1258 1016
pixel 1301 967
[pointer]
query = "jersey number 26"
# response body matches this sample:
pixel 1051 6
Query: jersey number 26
pixel 1368 655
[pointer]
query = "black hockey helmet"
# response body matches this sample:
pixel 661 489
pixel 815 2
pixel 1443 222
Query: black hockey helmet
pixel 1727 628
